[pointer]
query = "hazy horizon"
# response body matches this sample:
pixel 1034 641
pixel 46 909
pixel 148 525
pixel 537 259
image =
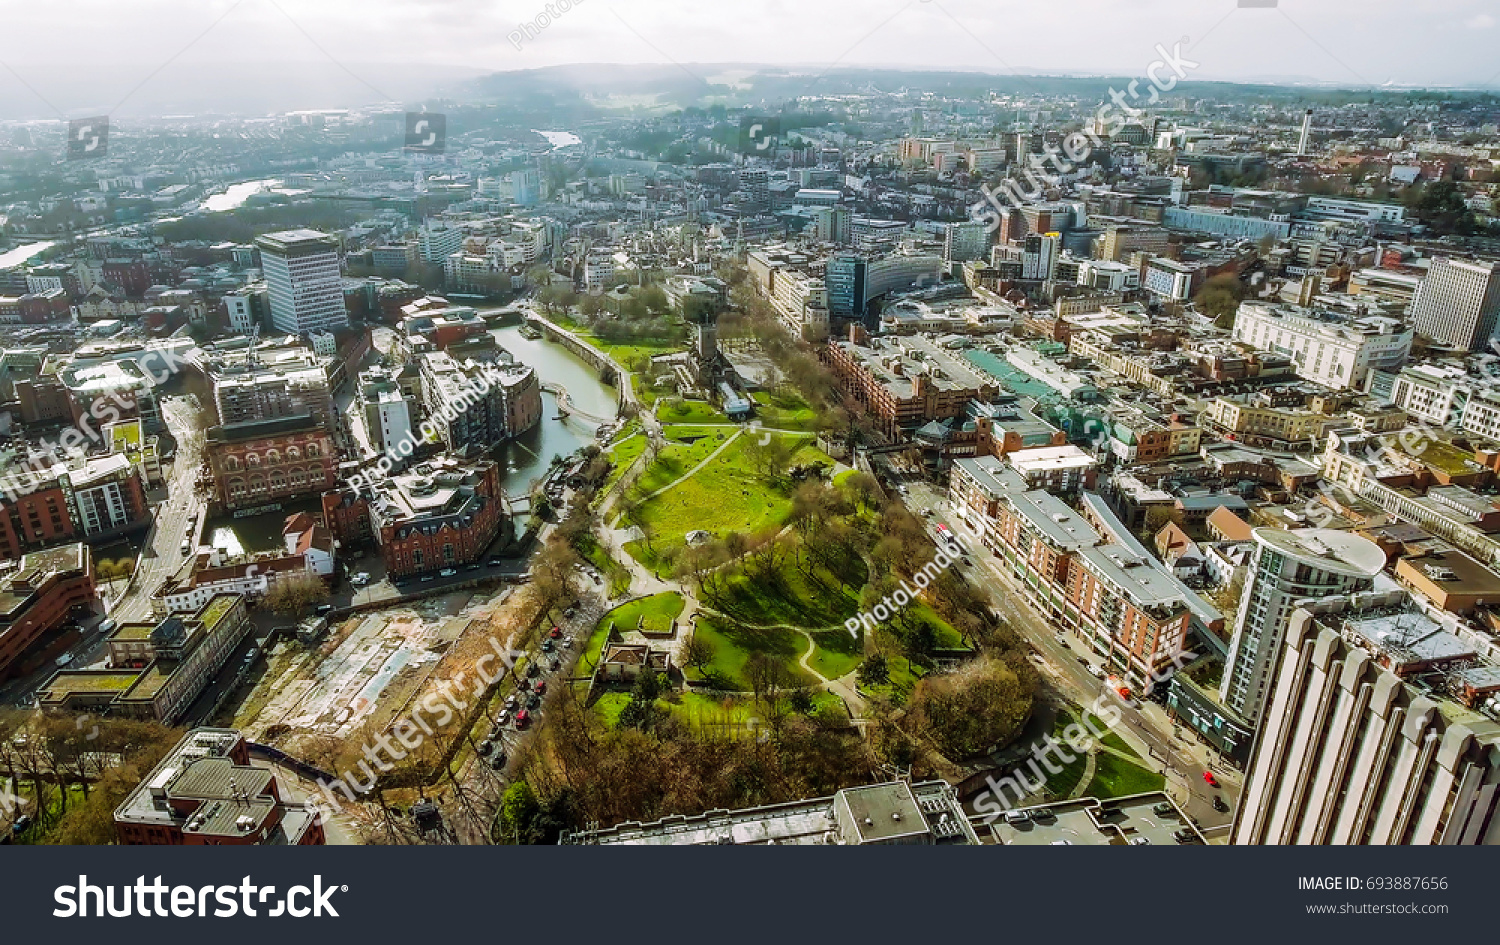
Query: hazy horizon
pixel 242 56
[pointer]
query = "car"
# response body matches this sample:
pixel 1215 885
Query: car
pixel 323 610
pixel 497 761
pixel 534 701
pixel 567 643
pixel 360 579
pixel 569 612
pixel 1185 835
pixel 21 824
pixel 927 513
pixel 447 572
pixel 485 746
pixel 251 654
pixel 523 686
pixel 471 567
pixel 523 719
pixel 1016 817
pixel 64 660
pixel 510 702
pixel 533 668
pixel 1209 777
pixel 187 548
pixel 504 715
pixel 555 665
pixel 426 578
pixel 1095 671
pixel 1163 810
pixel 1063 643
pixel 541 688
pixel 1219 805
pixel 1044 817
pixel 556 633
pixel 494 562
pixel 1062 843
pixel 106 625
pixel 547 646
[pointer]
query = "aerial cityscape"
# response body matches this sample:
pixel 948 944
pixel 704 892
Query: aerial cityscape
pixel 613 450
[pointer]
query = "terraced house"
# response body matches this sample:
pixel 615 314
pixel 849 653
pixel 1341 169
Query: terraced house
pixel 1081 567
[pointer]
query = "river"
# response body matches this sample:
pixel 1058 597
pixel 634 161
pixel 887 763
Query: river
pixel 560 139
pixel 235 195
pixel 24 252
pixel 527 457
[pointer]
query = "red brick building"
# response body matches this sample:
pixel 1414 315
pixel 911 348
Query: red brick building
pixel 439 514
pixel 39 597
pixel 268 461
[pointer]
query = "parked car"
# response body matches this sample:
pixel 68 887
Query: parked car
pixel 494 562
pixel 1140 841
pixel 504 715
pixel 1163 810
pixel 447 572
pixel 485 746
pixel 523 719
pixel 541 688
pixel 1219 805
pixel 547 646
pixel 1185 835
pixel 106 625
pixel 555 665
pixel 534 701
pixel 556 633
pixel 533 668
pixel 1209 777
pixel 360 579
pixel 497 761
pixel 567 643
pixel 510 701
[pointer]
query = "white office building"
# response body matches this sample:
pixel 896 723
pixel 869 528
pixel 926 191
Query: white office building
pixel 1458 303
pixel 1331 349
pixel 1380 730
pixel 1288 567
pixel 301 269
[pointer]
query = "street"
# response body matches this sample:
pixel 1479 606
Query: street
pixel 1065 659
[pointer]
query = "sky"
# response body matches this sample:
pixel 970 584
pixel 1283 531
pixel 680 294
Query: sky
pixel 111 47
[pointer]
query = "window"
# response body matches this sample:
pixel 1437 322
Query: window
pixel 448 552
pixel 313 451
pixel 252 460
pixel 231 464
pixel 416 557
pixel 272 457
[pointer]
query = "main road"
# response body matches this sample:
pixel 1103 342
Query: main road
pixel 161 550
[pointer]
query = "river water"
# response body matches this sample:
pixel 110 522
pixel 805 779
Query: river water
pixel 527 457
pixel 235 195
pixel 560 139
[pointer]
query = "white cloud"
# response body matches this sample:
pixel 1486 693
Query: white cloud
pixel 1481 22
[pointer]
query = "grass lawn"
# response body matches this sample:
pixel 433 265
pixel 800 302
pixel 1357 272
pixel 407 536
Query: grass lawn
pixel 904 676
pixel 784 411
pixel 623 454
pixel 733 648
pixel 817 600
pixel 687 446
pixel 1112 739
pixel 593 647
pixel 689 411
pixel 836 652
pixel 726 495
pixel 657 613
pixel 1061 784
pixel 614 572
pixel 1116 777
pixel 623 352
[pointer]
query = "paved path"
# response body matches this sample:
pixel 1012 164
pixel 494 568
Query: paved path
pixel 692 472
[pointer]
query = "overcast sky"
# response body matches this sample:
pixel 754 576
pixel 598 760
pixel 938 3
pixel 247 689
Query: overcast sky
pixel 1405 42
